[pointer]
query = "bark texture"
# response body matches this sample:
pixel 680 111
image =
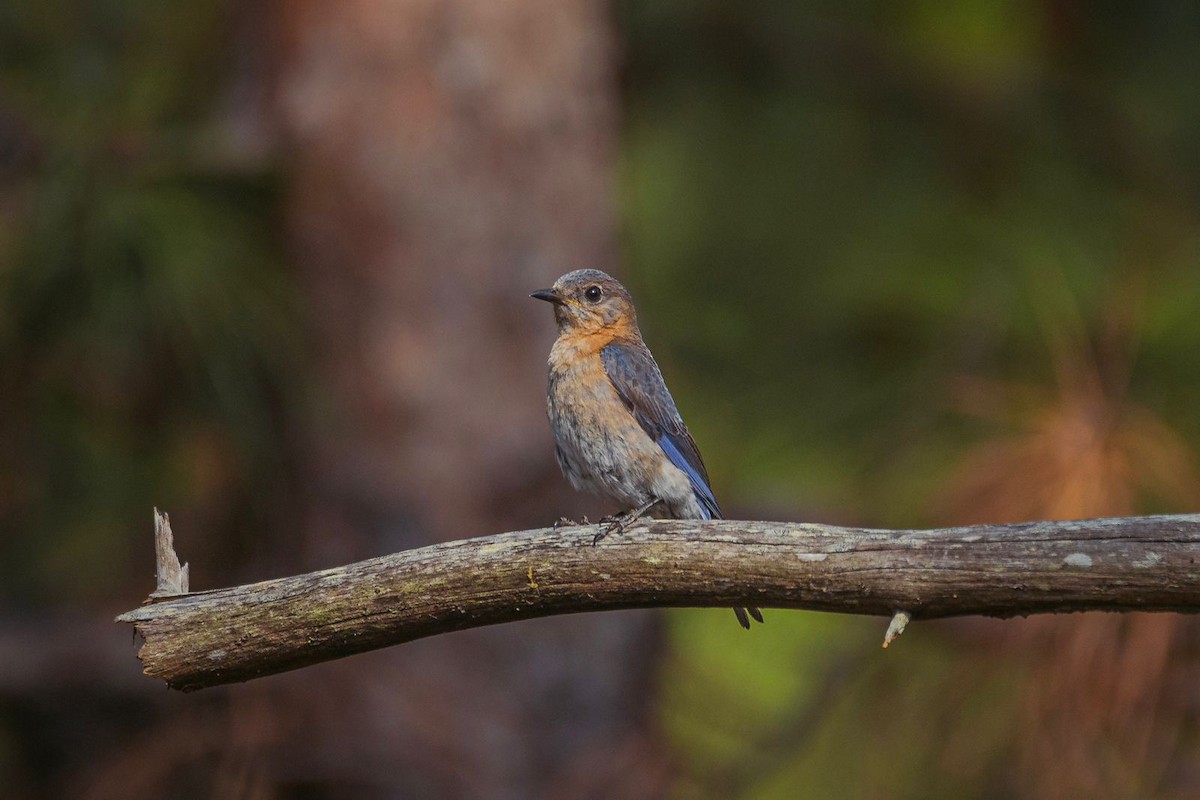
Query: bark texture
pixel 1118 564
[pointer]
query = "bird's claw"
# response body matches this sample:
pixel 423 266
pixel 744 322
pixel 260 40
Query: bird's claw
pixel 620 522
pixel 612 524
pixel 563 522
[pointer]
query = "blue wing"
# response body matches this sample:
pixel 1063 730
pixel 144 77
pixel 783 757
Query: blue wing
pixel 637 380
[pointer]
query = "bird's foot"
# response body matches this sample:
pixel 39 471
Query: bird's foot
pixel 611 524
pixel 567 522
pixel 619 522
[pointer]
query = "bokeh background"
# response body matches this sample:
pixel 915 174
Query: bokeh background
pixel 264 264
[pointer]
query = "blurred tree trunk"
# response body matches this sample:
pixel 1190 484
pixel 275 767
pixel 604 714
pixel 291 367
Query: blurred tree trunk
pixel 450 156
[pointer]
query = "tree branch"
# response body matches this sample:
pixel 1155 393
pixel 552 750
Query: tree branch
pixel 1122 564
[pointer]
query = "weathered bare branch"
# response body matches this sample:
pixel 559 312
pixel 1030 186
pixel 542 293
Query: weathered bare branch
pixel 227 635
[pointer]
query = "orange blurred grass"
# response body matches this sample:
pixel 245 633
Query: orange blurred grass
pixel 1108 705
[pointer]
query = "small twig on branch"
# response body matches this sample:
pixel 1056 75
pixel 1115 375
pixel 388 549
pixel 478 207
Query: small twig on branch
pixel 170 577
pixel 896 627
pixel 228 635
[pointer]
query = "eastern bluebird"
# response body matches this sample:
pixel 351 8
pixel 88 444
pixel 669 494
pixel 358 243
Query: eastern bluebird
pixel 616 429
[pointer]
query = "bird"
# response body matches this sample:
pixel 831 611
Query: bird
pixel 617 432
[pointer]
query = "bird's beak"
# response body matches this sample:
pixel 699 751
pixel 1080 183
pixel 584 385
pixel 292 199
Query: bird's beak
pixel 549 295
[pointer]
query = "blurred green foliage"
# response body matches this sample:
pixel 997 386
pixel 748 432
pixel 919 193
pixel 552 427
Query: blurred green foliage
pixel 145 320
pixel 831 211
pixel 813 709
pixel 834 213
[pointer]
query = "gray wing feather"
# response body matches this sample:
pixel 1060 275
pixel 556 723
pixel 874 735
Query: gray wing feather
pixel 637 379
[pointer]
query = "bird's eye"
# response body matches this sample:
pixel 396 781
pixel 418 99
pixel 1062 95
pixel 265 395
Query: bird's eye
pixel 592 293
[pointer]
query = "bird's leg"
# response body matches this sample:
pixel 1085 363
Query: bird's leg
pixel 623 521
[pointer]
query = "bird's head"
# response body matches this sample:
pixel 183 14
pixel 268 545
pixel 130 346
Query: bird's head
pixel 588 301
